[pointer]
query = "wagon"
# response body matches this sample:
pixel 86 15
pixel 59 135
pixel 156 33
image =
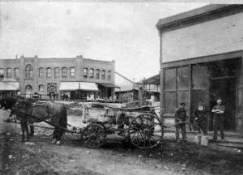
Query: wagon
pixel 140 126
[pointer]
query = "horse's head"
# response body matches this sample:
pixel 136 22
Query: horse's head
pixel 22 104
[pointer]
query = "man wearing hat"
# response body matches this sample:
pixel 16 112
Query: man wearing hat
pixel 180 121
pixel 218 119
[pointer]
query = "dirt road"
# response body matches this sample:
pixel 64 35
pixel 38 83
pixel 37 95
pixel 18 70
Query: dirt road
pixel 40 157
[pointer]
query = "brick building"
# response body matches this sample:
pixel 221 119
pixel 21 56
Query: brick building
pixel 76 77
pixel 201 55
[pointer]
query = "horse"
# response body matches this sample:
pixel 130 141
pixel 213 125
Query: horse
pixel 29 112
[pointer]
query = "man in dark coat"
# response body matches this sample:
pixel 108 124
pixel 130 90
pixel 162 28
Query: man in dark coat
pixel 200 117
pixel 218 119
pixel 180 121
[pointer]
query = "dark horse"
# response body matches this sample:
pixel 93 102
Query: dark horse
pixel 28 113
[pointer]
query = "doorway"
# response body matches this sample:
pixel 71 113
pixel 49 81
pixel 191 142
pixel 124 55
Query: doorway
pixel 223 80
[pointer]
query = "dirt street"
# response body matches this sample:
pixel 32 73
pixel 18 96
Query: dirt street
pixel 40 157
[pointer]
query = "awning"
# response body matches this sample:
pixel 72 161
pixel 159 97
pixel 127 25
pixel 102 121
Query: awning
pixel 73 86
pixel 109 85
pixel 88 86
pixel 69 86
pixel 9 86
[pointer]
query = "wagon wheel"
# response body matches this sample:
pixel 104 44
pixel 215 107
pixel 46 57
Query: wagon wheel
pixel 142 131
pixel 93 135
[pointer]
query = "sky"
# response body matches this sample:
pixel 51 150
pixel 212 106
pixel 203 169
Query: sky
pixel 120 31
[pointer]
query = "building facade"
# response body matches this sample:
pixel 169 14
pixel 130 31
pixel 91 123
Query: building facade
pixel 201 55
pixel 76 77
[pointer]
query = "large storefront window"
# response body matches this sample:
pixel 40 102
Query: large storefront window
pixel 170 79
pixel 183 77
pixel 200 78
pixel 176 88
pixel 170 102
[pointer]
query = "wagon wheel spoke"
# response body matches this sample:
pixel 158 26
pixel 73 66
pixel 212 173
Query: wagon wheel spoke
pixel 142 131
pixel 93 135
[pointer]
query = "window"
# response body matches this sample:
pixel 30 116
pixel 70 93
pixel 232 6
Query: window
pixel 1 72
pixel 91 73
pixel 72 72
pixel 200 78
pixel 85 72
pixel 109 75
pixel 41 72
pixel 16 73
pixel 97 73
pixel 103 75
pixel 28 72
pixel 64 72
pixel 170 79
pixel 48 72
pixel 170 102
pixel 183 77
pixel 56 72
pixel 41 88
pixel 176 88
pixel 9 73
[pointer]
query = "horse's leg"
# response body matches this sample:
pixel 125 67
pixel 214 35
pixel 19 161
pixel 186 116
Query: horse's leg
pixel 23 130
pixel 32 131
pixel 59 135
pixel 27 131
pixel 54 138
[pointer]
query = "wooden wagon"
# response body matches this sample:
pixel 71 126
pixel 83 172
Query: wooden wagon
pixel 140 126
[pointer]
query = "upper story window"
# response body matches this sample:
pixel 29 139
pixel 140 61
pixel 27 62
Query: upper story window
pixel 28 72
pixel 64 72
pixel 16 73
pixel 41 72
pixel 56 72
pixel 91 73
pixel 97 74
pixel 48 72
pixel 9 73
pixel 85 72
pixel 72 72
pixel 109 75
pixel 103 74
pixel 1 72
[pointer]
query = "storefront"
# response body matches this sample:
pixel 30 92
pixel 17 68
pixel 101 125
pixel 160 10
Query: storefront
pixel 79 90
pixel 8 88
pixel 201 60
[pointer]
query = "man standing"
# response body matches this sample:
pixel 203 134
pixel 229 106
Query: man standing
pixel 218 120
pixel 200 117
pixel 180 121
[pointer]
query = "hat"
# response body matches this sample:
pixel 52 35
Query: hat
pixel 183 103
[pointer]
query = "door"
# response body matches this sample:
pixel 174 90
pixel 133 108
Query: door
pixel 224 88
